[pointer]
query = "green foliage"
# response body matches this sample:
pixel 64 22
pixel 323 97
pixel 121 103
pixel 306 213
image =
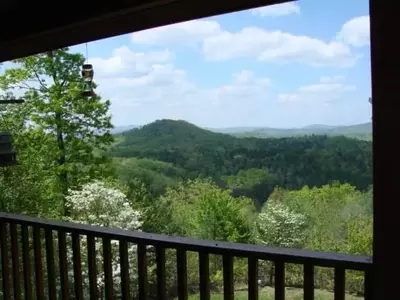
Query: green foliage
pixel 155 175
pixel 205 211
pixel 221 217
pixel 359 235
pixel 328 209
pixel 75 125
pixel 254 183
pixel 158 215
pixel 338 218
pixel 27 188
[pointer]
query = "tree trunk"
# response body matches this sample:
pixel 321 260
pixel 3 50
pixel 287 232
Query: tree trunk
pixel 62 175
pixel 271 274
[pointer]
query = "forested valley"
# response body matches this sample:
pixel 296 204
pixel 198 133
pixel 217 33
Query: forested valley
pixel 172 177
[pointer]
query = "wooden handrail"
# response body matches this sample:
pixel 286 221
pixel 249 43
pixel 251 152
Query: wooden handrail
pixel 297 256
pixel 10 262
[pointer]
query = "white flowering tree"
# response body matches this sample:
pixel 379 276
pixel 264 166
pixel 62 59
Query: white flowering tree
pixel 278 226
pixel 100 205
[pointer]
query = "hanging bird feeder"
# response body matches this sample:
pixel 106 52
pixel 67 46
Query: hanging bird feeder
pixel 8 155
pixel 87 74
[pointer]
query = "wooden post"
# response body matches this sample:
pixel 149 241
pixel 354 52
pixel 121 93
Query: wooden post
pixel 385 64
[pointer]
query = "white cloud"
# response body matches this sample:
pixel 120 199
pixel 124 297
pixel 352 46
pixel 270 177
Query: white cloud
pixel 254 42
pixel 277 46
pixel 181 33
pixel 277 10
pixel 164 91
pixel 125 60
pixel 244 87
pixel 326 90
pixel 356 32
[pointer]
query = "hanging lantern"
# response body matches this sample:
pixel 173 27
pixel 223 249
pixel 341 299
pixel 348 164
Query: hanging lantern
pixel 7 153
pixel 87 74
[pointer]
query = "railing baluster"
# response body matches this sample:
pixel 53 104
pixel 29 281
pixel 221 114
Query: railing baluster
pixel 92 267
pixel 51 276
pixel 308 282
pixel 15 261
pixel 228 277
pixel 124 265
pixel 108 276
pixel 340 281
pixel 5 261
pixel 37 251
pixel 26 262
pixel 160 257
pixel 253 277
pixel 204 274
pixel 62 253
pixel 181 261
pixel 142 272
pixel 279 280
pixel 11 264
pixel 368 284
pixel 77 260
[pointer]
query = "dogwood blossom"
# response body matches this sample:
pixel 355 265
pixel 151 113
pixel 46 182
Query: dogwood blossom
pixel 98 205
pixel 278 226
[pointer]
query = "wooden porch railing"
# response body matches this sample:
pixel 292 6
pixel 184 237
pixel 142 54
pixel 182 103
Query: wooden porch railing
pixel 45 273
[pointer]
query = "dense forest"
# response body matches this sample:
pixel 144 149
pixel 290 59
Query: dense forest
pixel 172 177
pixel 243 162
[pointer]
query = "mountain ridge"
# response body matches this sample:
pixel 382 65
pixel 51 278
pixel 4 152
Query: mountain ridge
pixel 361 131
pixel 204 153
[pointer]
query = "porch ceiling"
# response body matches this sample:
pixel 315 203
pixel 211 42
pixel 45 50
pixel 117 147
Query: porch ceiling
pixel 30 27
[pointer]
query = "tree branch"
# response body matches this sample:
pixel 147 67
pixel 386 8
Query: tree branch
pixel 26 87
pixel 39 80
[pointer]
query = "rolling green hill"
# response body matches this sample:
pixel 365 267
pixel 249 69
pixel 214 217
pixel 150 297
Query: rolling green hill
pixel 170 134
pixel 293 161
pixel 360 131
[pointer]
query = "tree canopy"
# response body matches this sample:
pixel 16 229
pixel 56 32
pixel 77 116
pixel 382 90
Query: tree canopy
pixel 74 125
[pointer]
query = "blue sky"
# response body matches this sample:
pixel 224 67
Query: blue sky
pixel 288 65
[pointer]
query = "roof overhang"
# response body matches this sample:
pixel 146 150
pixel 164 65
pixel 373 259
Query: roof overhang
pixel 31 27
